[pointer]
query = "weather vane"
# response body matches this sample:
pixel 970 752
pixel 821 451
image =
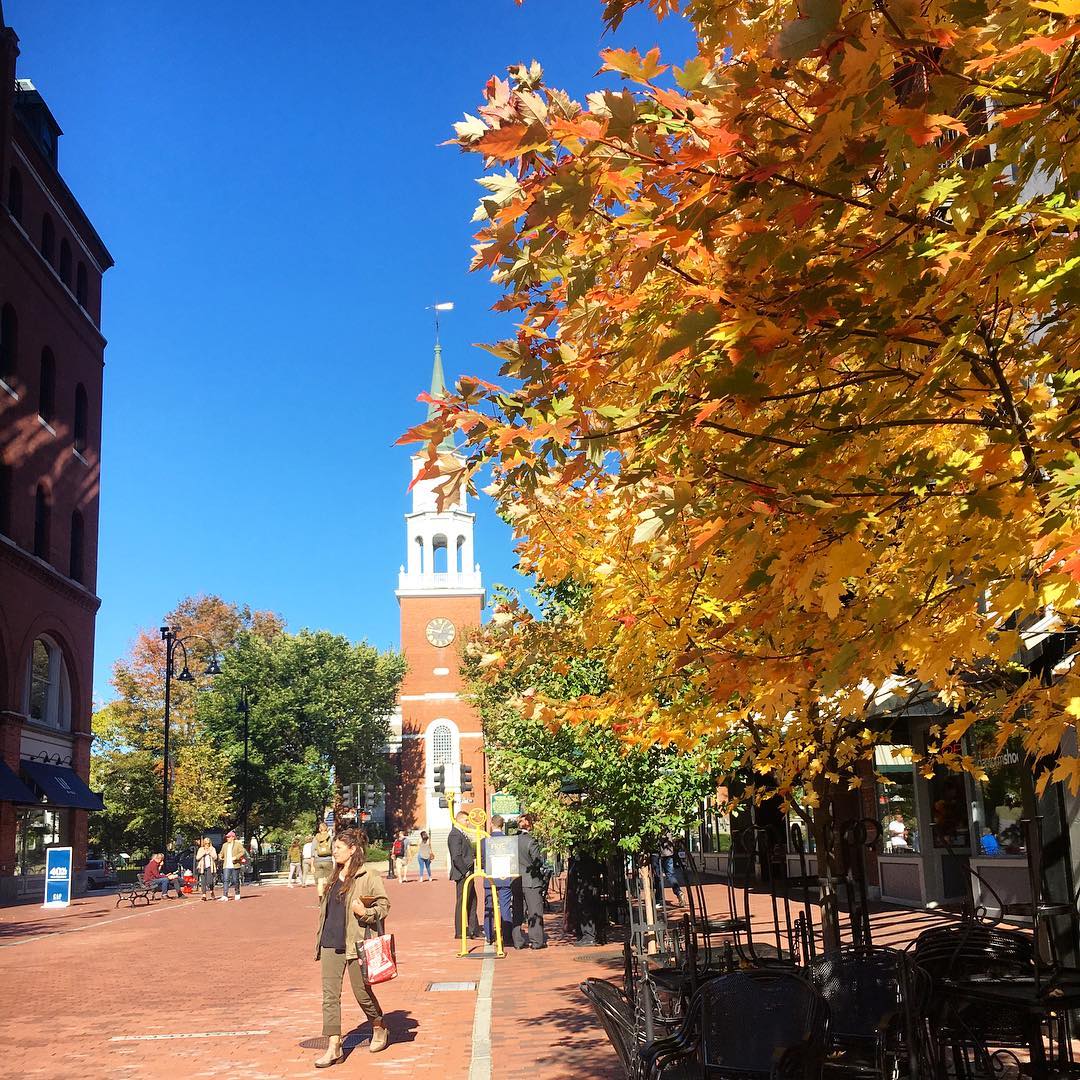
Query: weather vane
pixel 446 305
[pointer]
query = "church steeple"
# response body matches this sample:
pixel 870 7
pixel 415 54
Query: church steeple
pixel 440 542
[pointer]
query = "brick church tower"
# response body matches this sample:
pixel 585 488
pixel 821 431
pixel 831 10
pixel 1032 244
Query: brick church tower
pixel 440 595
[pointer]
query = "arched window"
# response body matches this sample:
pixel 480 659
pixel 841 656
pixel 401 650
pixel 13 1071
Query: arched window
pixel 9 343
pixel 439 555
pixel 48 689
pixel 82 418
pixel 80 284
pixel 442 745
pixel 459 560
pixel 48 239
pixel 47 386
pixel 65 262
pixel 42 513
pixel 76 567
pixel 15 194
pixel 5 498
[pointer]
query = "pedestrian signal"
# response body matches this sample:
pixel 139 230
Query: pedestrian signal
pixel 466 778
pixel 440 779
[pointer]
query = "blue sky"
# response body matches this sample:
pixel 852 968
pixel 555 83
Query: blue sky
pixel 269 180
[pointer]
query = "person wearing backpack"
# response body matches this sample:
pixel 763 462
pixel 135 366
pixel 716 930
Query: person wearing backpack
pixel 322 845
pixel 399 853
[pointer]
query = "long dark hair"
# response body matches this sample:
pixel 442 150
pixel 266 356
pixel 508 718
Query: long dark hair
pixel 356 839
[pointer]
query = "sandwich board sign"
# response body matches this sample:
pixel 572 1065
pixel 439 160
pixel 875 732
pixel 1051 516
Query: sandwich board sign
pixel 57 877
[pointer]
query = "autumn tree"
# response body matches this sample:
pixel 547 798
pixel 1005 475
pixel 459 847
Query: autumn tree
pixel 127 759
pixel 794 385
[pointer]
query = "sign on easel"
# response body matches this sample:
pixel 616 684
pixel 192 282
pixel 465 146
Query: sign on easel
pixel 57 877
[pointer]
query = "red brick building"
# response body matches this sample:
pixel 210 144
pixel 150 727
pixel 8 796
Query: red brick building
pixel 441 595
pixel 51 357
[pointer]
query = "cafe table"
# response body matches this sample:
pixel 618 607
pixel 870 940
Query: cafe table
pixel 1049 998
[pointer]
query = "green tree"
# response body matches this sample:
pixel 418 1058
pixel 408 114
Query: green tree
pixel 629 794
pixel 315 700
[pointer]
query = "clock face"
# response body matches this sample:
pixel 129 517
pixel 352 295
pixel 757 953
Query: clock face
pixel 440 632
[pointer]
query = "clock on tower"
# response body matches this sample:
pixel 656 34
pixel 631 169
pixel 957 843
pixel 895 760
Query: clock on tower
pixel 440 632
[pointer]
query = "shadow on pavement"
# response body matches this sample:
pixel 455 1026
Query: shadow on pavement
pixel 403 1028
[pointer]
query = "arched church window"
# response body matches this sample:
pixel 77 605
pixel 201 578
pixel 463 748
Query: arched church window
pixel 439 555
pixel 442 745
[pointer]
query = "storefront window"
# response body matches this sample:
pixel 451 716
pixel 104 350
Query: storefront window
pixel 896 800
pixel 999 798
pixel 37 830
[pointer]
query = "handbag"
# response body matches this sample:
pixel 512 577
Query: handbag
pixel 378 959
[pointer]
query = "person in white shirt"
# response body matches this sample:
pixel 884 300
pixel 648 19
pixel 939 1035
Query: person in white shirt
pixel 897 833
pixel 307 868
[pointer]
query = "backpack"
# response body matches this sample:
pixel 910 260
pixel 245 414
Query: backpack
pixel 323 847
pixel 398 849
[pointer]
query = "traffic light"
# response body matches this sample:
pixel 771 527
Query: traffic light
pixel 347 797
pixel 369 796
pixel 466 778
pixel 440 779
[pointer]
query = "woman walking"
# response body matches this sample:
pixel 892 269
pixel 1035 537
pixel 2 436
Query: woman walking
pixel 206 867
pixel 424 856
pixel 321 844
pixel 353 905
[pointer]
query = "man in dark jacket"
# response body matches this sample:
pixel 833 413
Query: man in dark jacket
pixel 462 857
pixel 531 864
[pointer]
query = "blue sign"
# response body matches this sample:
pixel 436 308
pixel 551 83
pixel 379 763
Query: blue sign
pixel 329 819
pixel 57 877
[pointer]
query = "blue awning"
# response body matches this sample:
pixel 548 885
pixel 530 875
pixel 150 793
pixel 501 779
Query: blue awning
pixel 12 789
pixel 60 786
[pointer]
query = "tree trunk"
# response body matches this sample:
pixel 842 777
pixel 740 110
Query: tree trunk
pixel 828 864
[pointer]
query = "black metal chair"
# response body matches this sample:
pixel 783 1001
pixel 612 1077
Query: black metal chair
pixel 616 1016
pixel 965 1030
pixel 877 1002
pixel 750 1025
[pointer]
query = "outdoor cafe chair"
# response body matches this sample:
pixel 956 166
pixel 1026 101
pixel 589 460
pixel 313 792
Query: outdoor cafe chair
pixel 877 1002
pixel 964 1029
pixel 749 1025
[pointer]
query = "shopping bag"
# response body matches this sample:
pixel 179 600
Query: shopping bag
pixel 378 959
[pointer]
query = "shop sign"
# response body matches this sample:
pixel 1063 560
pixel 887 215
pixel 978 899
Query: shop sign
pixel 57 877
pixel 1007 757
pixel 505 806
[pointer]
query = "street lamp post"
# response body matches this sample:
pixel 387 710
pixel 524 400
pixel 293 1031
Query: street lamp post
pixel 243 706
pixel 173 641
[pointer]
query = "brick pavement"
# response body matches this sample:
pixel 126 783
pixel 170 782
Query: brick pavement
pixel 75 982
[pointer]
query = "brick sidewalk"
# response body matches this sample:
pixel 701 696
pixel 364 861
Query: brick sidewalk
pixel 77 986
pixel 74 983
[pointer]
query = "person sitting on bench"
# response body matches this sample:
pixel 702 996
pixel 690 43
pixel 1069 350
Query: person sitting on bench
pixel 153 876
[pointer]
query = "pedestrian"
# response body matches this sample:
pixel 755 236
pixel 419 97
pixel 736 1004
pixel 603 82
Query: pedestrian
pixel 533 882
pixel 206 860
pixel 307 865
pixel 295 864
pixel 154 874
pixel 669 871
pixel 462 855
pixel 232 856
pixel 400 852
pixel 424 856
pixel 322 843
pixel 353 908
pixel 504 893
